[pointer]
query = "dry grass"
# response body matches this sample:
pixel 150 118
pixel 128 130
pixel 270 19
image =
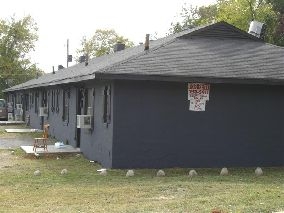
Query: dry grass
pixel 84 190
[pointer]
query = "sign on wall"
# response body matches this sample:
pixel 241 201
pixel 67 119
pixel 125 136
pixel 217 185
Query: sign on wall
pixel 198 94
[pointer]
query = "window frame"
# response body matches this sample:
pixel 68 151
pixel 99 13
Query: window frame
pixel 66 105
pixel 107 104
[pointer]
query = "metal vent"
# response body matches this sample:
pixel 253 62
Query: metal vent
pixel 60 67
pixel 118 47
pixel 257 29
pixel 82 59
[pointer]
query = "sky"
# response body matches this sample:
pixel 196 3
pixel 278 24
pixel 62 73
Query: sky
pixel 59 20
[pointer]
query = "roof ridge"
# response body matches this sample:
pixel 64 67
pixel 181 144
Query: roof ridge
pixel 145 52
pixel 221 23
pixel 169 39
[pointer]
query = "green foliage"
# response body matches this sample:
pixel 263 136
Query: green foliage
pixel 17 38
pixel 241 12
pixel 101 43
pixel 238 13
pixel 193 16
pixel 278 5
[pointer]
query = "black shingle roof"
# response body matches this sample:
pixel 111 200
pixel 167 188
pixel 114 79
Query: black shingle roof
pixel 214 52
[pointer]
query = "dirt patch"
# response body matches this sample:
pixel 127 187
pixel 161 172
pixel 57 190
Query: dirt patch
pixel 7 159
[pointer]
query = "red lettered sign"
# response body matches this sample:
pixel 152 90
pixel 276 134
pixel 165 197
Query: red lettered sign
pixel 198 94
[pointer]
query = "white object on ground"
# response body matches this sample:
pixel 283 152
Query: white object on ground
pixel 161 173
pixel 192 173
pixel 37 173
pixel 59 145
pixel 224 171
pixel 130 173
pixel 258 171
pixel 64 171
pixel 103 172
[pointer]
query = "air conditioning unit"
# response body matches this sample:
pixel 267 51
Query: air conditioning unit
pixel 43 111
pixel 10 117
pixel 19 106
pixel 84 121
pixel 18 111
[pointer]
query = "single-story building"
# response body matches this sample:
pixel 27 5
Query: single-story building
pixel 206 97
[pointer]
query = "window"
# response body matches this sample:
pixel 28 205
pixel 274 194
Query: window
pixel 31 100
pixel 86 101
pixel 44 99
pixel 57 101
pixel 106 107
pixel 91 106
pixel 18 98
pixel 36 101
pixel 52 100
pixel 66 97
pixel 26 102
pixel 91 101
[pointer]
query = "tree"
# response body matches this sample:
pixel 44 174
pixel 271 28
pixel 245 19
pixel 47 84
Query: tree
pixel 193 16
pixel 17 38
pixel 241 12
pixel 278 6
pixel 238 13
pixel 101 43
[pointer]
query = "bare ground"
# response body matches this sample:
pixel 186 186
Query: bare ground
pixel 7 159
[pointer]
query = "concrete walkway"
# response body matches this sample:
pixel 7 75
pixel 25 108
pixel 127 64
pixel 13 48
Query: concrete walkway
pixel 13 143
pixel 51 149
pixel 26 141
pixel 11 122
pixel 23 130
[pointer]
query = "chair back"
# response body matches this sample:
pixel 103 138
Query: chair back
pixel 45 131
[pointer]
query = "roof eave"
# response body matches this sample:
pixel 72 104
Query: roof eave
pixel 182 78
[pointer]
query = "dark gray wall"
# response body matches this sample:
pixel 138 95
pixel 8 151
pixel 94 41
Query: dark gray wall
pixel 242 126
pixel 97 144
pixel 35 120
pixel 62 130
pixel 59 129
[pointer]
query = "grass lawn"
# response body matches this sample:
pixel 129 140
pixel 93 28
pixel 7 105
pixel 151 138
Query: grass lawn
pixel 82 189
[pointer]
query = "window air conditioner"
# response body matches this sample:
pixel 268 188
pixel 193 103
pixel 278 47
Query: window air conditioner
pixel 84 121
pixel 43 111
pixel 19 106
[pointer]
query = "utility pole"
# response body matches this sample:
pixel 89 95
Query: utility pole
pixel 68 57
pixel 67 52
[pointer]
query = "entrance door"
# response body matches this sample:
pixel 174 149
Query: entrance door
pixel 26 107
pixel 80 106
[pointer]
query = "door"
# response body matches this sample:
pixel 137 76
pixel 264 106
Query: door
pixel 81 109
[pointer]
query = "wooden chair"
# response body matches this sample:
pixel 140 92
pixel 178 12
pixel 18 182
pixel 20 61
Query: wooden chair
pixel 42 142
